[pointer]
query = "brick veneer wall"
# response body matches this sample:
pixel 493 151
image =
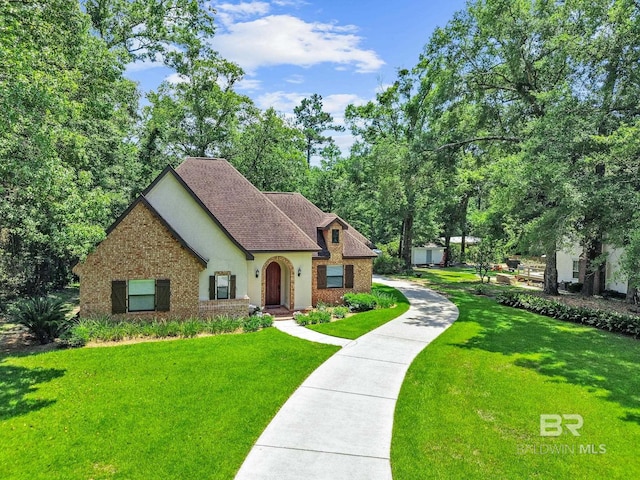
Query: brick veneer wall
pixel 362 270
pixel 140 247
pixel 237 307
pixel 362 278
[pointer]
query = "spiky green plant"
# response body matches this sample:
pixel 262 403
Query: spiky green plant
pixel 44 317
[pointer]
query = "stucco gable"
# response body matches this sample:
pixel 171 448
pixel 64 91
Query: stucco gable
pixel 132 221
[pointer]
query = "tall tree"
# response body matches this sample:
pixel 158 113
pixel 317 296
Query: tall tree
pixel 150 29
pixel 65 147
pixel 269 153
pixel 198 114
pixel 314 122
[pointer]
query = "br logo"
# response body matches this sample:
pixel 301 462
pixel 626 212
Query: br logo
pixel 551 425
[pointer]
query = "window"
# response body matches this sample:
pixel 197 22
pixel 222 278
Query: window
pixel 142 295
pixel 335 236
pixel 335 276
pixel 576 269
pixel 146 295
pixel 222 286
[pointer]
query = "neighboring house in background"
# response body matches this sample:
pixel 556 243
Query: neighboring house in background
pixel 572 268
pixel 428 254
pixel 201 240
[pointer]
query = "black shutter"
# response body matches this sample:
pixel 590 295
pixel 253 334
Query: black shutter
pixel 348 276
pixel 118 296
pixel 322 276
pixel 163 295
pixel 212 287
pixel 232 286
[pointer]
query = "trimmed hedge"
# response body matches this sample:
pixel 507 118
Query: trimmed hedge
pixel 106 329
pixel 611 321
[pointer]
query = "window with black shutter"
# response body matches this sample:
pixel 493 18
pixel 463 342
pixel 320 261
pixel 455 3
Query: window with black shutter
pixel 322 276
pixel 212 287
pixel 163 295
pixel 118 296
pixel 348 276
pixel 232 286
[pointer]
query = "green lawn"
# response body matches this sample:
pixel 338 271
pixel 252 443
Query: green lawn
pixel 470 405
pixel 361 323
pixel 177 409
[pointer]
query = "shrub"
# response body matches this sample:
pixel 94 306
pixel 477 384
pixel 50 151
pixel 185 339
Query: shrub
pixel 574 287
pixel 191 328
pixel 340 312
pixel 266 320
pixel 383 300
pixel 385 264
pixel 106 329
pixel 311 318
pixel 300 318
pixel 611 321
pixel 480 289
pixel 44 317
pixel 320 316
pixel 360 302
pixel 250 324
pixel 76 336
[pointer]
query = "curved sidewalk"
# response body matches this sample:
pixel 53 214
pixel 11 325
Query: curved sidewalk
pixel 338 423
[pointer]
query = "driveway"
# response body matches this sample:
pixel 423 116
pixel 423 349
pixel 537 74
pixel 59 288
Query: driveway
pixel 338 423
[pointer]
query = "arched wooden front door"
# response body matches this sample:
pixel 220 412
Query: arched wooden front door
pixel 272 285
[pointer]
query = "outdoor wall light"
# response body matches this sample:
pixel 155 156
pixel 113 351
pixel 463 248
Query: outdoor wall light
pixel 299 271
pixel 257 273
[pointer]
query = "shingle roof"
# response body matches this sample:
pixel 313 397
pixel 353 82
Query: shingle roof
pixel 245 212
pixel 310 218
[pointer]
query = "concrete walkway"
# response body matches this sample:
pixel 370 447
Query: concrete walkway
pixel 292 328
pixel 338 424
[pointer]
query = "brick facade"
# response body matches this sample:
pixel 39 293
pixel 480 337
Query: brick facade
pixel 236 307
pixel 140 247
pixel 362 270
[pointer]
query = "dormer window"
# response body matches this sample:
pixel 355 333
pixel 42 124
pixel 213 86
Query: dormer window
pixel 335 235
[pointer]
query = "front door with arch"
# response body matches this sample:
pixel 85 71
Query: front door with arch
pixel 272 284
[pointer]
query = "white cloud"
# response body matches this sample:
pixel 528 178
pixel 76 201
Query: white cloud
pixel 281 101
pixel 141 66
pixel 285 39
pixel 230 12
pixel 296 79
pixel 249 84
pixel 176 78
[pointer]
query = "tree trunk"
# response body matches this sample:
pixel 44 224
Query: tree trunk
pixel 447 250
pixel 551 274
pixel 632 293
pixel 594 276
pixel 464 207
pixel 406 240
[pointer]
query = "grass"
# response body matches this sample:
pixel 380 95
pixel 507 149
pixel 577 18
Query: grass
pixel 361 323
pixel 470 405
pixel 183 409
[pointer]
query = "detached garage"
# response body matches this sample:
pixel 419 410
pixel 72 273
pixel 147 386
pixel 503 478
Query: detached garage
pixel 427 254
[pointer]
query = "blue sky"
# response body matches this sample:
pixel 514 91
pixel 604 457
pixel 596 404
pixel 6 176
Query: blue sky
pixel 343 50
